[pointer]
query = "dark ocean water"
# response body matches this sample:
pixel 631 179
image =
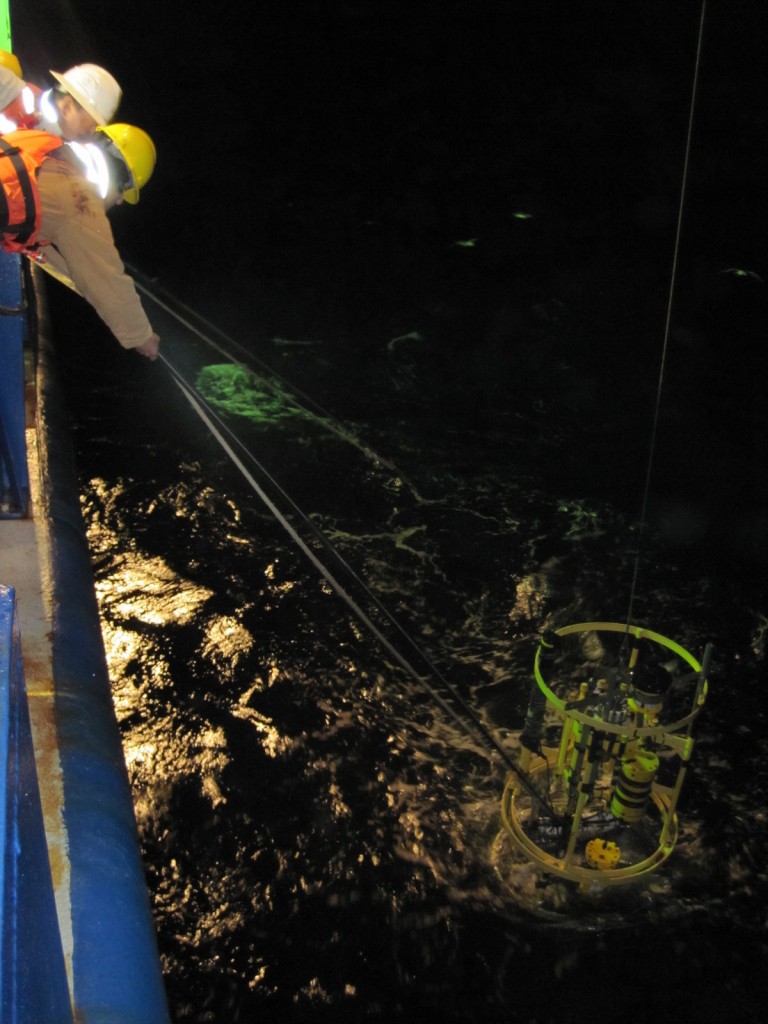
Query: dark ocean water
pixel 450 255
pixel 322 840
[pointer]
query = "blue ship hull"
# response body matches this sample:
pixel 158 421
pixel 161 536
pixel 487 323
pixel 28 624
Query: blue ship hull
pixel 78 941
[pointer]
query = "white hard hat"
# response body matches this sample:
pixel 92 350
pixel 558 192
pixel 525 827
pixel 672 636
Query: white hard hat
pixel 95 90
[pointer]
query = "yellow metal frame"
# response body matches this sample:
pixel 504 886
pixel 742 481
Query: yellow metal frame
pixel 566 866
pixel 629 735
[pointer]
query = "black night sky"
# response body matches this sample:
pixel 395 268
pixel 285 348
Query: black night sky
pixel 433 118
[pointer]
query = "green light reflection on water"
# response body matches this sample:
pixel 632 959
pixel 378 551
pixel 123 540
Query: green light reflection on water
pixel 233 389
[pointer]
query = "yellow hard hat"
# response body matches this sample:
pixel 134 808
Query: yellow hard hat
pixel 11 61
pixel 138 153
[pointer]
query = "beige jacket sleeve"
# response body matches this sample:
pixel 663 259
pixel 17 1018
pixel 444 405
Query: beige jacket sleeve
pixel 82 248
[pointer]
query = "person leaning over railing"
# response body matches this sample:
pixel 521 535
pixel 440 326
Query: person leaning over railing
pixel 56 201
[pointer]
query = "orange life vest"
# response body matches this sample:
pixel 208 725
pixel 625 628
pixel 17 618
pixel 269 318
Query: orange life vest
pixel 21 154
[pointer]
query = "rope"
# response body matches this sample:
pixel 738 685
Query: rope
pixel 219 431
pixel 668 318
pixel 307 404
pixel 229 442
